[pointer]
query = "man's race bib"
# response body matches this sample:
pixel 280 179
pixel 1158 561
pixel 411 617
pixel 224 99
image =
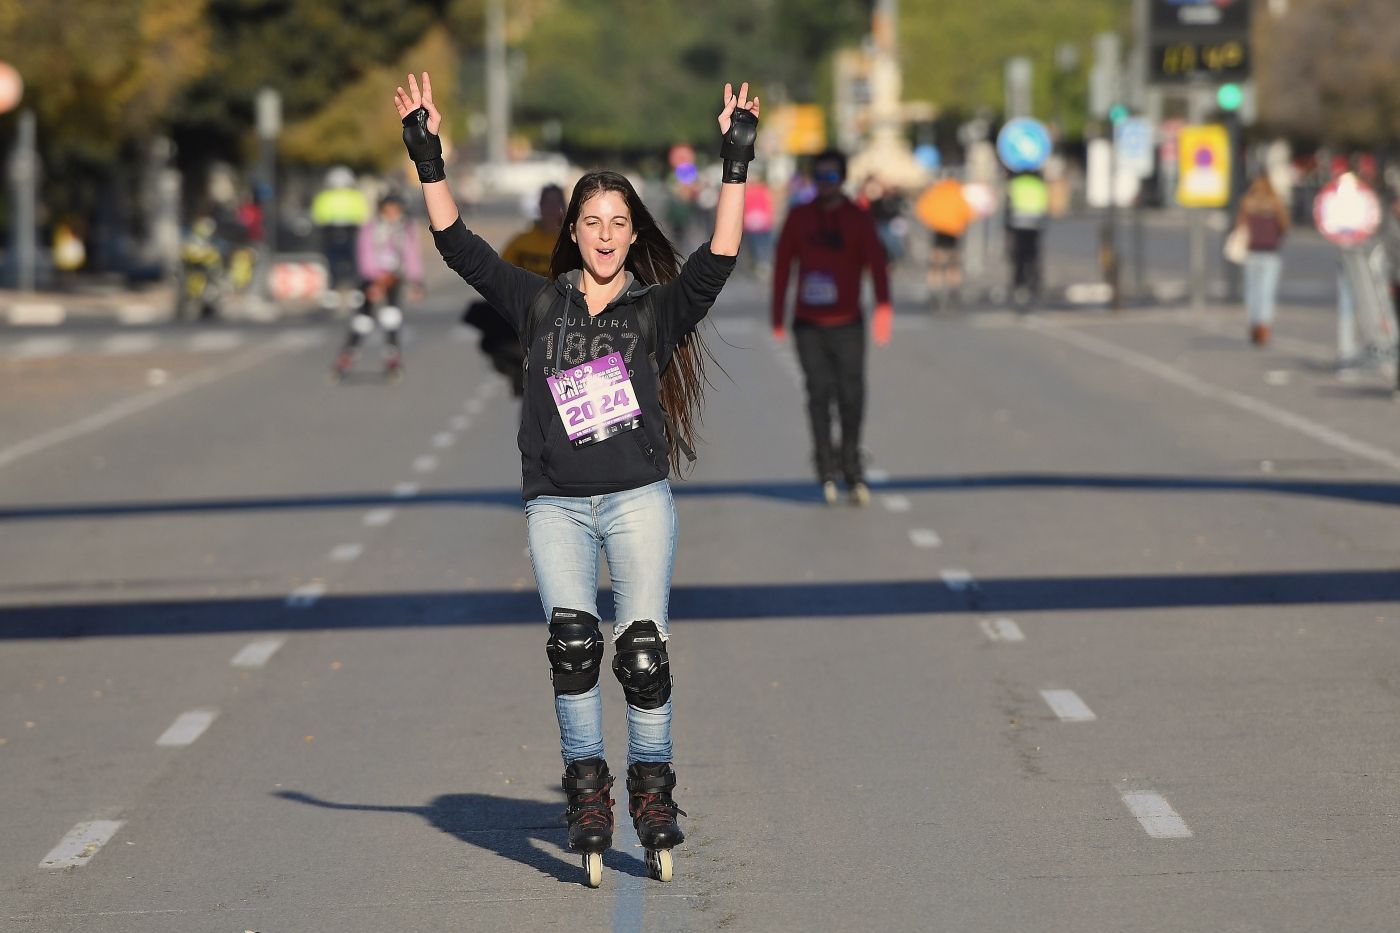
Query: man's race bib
pixel 818 289
pixel 595 400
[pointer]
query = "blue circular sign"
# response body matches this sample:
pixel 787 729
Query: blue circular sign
pixel 928 156
pixel 1023 144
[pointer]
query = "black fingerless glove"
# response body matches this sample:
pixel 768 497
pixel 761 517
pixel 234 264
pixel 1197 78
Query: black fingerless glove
pixel 737 147
pixel 424 148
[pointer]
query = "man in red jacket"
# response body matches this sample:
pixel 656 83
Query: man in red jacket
pixel 832 241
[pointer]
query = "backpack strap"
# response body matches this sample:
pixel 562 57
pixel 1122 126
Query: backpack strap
pixel 534 317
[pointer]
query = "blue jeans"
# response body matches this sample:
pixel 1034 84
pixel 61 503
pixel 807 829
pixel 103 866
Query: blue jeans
pixel 637 528
pixel 1261 271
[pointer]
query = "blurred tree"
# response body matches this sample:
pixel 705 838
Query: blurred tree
pixel 1329 71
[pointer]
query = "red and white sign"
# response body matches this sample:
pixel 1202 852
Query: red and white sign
pixel 11 87
pixel 1346 211
pixel 297 280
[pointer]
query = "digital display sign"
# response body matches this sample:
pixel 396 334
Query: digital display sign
pixel 1199 40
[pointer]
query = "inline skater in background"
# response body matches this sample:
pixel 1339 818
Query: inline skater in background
pixel 387 256
pixel 614 376
pixel 833 242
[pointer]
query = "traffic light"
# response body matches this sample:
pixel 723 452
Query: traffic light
pixel 1229 97
pixel 1117 114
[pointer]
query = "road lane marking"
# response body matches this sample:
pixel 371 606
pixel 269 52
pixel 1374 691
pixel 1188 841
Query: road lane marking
pixel 1068 706
pixel 37 348
pixel 443 440
pixel 378 518
pixel 126 344
pixel 1157 817
pixel 306 595
pixel 216 342
pixel 345 553
pixel 475 406
pixel 459 422
pixel 187 727
pixel 896 503
pixel 425 464
pixel 81 844
pixel 877 477
pixel 128 407
pixel 924 537
pixel 1002 630
pixel 405 490
pixel 257 653
pixel 957 580
pixel 1248 403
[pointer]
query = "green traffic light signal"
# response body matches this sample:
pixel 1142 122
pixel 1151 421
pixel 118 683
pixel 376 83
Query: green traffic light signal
pixel 1117 113
pixel 1229 97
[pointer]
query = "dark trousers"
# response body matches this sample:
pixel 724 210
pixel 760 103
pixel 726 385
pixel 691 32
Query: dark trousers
pixel 833 361
pixel 1025 260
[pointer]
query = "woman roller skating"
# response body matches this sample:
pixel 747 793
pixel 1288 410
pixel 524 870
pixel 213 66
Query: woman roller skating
pixel 614 376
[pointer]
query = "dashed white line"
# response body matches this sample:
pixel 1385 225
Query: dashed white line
pixel 376 518
pixel 475 406
pixel 443 440
pixel 1068 706
pixel 345 553
pixel 459 422
pixel 306 596
pixel 187 727
pixel 216 342
pixel 896 503
pixel 124 344
pixel 257 653
pixel 405 490
pixel 924 537
pixel 1002 630
pixel 81 844
pixel 1157 817
pixel 425 464
pixel 35 348
pixel 957 580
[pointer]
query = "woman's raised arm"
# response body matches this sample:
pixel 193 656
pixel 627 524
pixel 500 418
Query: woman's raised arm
pixel 421 121
pixel 738 123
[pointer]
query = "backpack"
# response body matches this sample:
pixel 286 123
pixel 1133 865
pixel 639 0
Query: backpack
pixel 646 322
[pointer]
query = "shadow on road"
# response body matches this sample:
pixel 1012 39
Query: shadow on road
pixel 503 825
pixel 921 600
pixel 801 492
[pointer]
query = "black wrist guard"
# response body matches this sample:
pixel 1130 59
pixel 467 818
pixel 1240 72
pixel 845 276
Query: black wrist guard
pixel 424 148
pixel 736 148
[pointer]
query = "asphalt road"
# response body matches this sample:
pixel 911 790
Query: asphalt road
pixel 1114 648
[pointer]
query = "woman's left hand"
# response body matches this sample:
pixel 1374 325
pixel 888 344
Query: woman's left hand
pixel 732 102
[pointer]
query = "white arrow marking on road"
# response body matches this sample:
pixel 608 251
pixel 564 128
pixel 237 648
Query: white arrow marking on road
pixel 425 464
pixel 376 518
pixel 924 537
pixel 1002 630
pixel 405 490
pixel 257 653
pixel 957 580
pixel 187 727
pixel 897 503
pixel 306 596
pixel 443 439
pixel 1156 815
pixel 1068 706
pixel 81 844
pixel 345 553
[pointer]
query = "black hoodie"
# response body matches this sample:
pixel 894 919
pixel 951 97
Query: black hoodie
pixel 568 336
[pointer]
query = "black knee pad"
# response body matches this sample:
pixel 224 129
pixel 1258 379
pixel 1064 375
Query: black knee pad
pixel 575 650
pixel 642 667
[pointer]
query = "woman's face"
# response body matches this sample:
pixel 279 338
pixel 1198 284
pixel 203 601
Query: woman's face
pixel 603 233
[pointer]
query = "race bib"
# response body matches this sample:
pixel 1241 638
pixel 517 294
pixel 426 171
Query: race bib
pixel 818 290
pixel 595 400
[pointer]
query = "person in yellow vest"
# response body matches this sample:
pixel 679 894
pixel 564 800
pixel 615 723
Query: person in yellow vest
pixel 1028 203
pixel 945 211
pixel 531 249
pixel 339 210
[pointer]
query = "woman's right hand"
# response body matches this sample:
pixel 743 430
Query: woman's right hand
pixel 408 101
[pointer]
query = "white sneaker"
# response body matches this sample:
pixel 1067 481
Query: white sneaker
pixel 829 492
pixel 860 494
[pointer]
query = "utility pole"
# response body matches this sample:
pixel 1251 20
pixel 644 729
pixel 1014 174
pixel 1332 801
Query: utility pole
pixel 24 181
pixel 497 84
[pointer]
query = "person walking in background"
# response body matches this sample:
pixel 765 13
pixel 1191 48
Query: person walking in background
pixel 387 256
pixel 833 242
pixel 1028 204
pixel 338 211
pixel 1265 220
pixel 944 210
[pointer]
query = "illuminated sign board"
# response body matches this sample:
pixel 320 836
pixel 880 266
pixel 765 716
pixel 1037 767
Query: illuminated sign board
pixel 1199 40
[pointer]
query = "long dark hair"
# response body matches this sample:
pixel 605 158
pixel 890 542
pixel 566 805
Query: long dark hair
pixel 653 260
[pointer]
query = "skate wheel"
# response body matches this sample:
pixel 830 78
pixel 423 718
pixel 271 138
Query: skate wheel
pixel 659 864
pixel 593 868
